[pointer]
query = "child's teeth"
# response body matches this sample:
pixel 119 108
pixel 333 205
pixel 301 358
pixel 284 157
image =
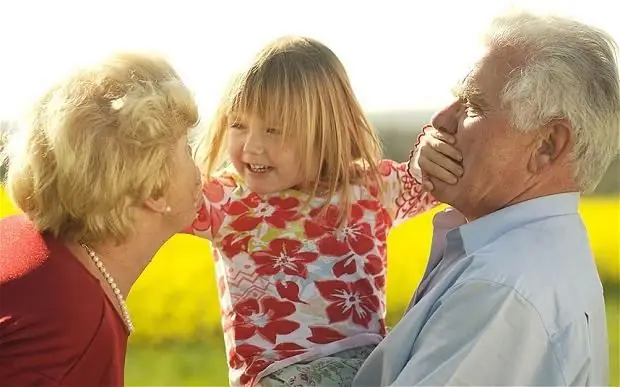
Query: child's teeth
pixel 258 167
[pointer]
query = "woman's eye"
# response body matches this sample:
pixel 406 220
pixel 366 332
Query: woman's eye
pixel 273 131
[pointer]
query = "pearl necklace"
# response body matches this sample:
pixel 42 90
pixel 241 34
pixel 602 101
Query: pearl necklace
pixel 117 292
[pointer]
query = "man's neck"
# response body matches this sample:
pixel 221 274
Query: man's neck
pixel 532 192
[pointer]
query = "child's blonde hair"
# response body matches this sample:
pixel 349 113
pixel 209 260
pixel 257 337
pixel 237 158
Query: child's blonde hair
pixel 99 143
pixel 302 86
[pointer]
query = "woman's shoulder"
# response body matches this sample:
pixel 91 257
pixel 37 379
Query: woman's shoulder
pixel 24 249
pixel 46 289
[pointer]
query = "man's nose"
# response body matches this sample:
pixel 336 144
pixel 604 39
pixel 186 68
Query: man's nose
pixel 254 143
pixel 447 118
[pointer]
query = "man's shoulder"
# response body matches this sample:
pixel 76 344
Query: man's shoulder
pixel 548 264
pixel 528 254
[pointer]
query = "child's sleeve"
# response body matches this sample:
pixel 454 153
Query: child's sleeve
pixel 216 193
pixel 402 194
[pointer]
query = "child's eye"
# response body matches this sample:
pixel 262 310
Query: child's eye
pixel 237 125
pixel 274 131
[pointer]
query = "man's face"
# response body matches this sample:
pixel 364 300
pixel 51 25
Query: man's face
pixel 495 156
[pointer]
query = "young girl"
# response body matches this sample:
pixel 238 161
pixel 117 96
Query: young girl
pixel 298 219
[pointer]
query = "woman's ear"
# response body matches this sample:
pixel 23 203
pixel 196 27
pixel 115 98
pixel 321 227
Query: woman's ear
pixel 157 205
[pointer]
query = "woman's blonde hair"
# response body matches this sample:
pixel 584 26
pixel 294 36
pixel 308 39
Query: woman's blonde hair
pixel 302 86
pixel 99 143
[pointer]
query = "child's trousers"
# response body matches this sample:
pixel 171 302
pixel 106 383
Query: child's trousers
pixel 337 370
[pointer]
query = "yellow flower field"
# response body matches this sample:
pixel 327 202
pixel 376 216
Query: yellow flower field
pixel 175 309
pixel 176 299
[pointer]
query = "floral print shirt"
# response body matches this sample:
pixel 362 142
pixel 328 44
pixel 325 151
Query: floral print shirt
pixel 293 285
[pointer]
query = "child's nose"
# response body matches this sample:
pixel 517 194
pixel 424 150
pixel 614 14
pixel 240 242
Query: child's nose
pixel 254 144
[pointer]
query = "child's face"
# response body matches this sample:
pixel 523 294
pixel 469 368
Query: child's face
pixel 259 156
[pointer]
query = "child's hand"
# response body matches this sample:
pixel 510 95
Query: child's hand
pixel 434 156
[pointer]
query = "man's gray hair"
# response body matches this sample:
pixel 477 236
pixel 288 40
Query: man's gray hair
pixel 570 71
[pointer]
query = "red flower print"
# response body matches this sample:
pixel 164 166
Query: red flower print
pixel 234 243
pixel 372 205
pixel 324 335
pixel 386 167
pixel 289 349
pixel 289 290
pixel 266 318
pixel 379 281
pixel 347 265
pixel 383 222
pixel 337 241
pixel 247 355
pixel 210 216
pixel 283 255
pixel 349 300
pixel 321 226
pixel 240 354
pixel 374 265
pixel 374 190
pixel 213 191
pixel 252 211
pixel 203 219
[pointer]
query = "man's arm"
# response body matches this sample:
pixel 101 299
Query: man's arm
pixel 482 333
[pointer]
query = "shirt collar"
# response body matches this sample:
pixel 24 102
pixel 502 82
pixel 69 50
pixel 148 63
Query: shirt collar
pixel 474 235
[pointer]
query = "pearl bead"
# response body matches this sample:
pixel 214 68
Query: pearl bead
pixel 117 292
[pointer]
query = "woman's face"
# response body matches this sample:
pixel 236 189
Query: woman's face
pixel 184 195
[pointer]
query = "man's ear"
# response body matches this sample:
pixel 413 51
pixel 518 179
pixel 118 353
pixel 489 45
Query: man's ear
pixel 554 145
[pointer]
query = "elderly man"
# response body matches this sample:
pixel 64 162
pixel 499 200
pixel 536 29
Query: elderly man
pixel 511 294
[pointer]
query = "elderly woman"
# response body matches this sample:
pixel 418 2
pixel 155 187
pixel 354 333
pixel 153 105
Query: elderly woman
pixel 104 176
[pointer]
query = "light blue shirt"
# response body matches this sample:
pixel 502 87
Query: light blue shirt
pixel 512 298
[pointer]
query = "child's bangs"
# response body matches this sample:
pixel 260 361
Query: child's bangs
pixel 273 97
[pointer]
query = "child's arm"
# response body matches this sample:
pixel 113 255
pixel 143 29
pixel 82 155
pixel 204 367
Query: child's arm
pixel 216 193
pixel 405 195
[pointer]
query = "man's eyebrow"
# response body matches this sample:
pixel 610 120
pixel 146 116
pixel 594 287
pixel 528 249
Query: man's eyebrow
pixel 467 92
